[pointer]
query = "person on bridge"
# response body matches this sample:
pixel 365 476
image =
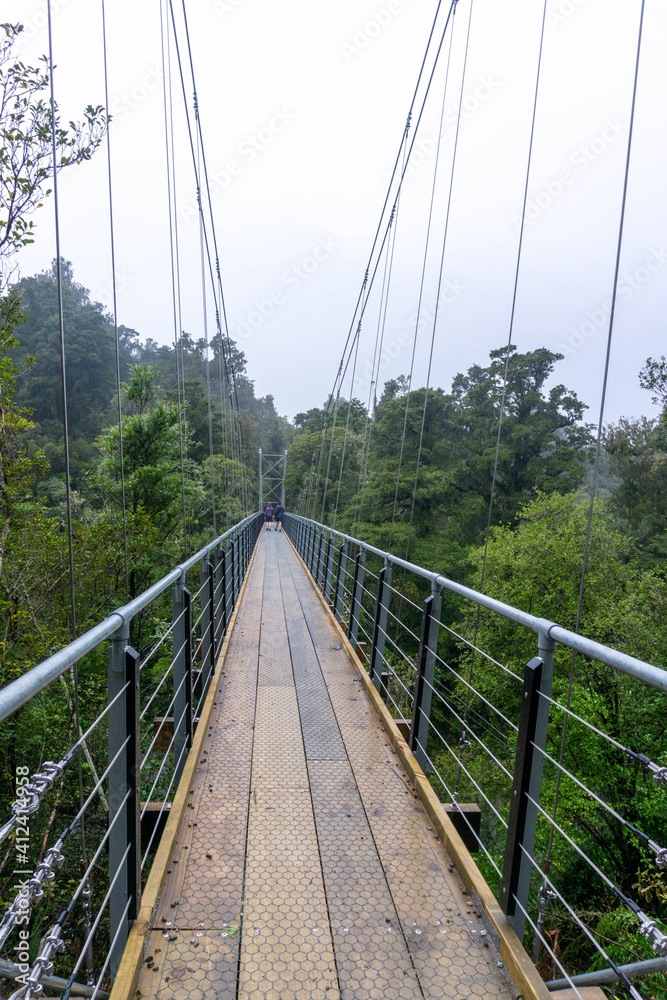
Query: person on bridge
pixel 279 514
pixel 268 516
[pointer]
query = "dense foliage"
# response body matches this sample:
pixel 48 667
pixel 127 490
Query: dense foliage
pixel 483 482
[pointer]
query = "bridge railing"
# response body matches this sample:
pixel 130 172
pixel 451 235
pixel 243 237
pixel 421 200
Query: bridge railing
pixel 544 779
pixel 80 839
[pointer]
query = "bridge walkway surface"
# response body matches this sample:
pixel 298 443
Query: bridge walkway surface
pixel 305 865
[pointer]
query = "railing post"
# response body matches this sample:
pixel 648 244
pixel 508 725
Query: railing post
pixel 133 782
pixel 357 591
pixel 328 569
pixel 426 659
pixel 117 735
pixel 182 675
pixel 207 619
pixel 222 586
pixel 340 581
pixel 234 553
pixel 321 556
pixel 380 625
pixel 218 613
pixel 313 549
pixel 319 535
pixel 546 647
pixel 514 855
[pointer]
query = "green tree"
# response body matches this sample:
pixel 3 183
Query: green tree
pixel 151 478
pixel 90 360
pixel 537 567
pixel 542 444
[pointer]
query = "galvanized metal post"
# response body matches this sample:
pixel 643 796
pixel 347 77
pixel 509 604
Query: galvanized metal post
pixel 546 647
pixel 229 572
pixel 207 619
pixel 380 625
pixel 206 616
pixel 282 492
pixel 523 765
pixel 182 675
pixel 261 482
pixel 133 782
pixel 235 559
pixel 357 592
pixel 328 570
pixel 319 579
pixel 340 581
pixel 426 659
pixel 220 620
pixel 311 548
pixel 117 735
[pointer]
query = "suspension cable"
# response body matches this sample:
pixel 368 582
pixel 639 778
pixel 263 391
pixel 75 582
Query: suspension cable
pixel 174 254
pixel 510 335
pixel 440 277
pixel 63 376
pixel 422 280
pixel 112 240
pixel 589 519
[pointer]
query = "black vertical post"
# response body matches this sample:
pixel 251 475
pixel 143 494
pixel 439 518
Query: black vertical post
pixel 426 658
pixel 320 560
pixel 318 554
pixel 340 581
pixel 133 781
pixel 328 570
pixel 211 646
pixel 357 591
pixel 420 686
pixel 182 675
pixel 207 643
pixel 530 703
pixel 223 593
pixel 380 625
pixel 311 561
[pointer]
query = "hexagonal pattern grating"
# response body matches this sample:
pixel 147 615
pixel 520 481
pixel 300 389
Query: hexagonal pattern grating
pixel 304 866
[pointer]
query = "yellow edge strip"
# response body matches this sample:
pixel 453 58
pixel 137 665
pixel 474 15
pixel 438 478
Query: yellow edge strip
pixel 524 974
pixel 126 980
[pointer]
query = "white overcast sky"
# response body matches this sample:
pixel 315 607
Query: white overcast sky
pixel 303 104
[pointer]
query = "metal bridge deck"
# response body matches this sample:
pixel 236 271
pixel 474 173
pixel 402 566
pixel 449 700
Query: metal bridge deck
pixel 305 866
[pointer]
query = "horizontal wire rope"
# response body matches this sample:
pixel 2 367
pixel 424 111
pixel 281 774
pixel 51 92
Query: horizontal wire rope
pixel 580 922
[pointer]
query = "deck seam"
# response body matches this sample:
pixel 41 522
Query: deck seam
pixel 390 893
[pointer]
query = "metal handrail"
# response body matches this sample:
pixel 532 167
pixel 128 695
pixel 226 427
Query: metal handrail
pixel 20 691
pixel 649 673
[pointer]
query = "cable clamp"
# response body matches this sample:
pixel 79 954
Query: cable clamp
pixel 660 775
pixel 661 858
pixel 650 930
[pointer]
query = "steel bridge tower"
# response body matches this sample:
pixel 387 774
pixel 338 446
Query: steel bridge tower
pixel 272 469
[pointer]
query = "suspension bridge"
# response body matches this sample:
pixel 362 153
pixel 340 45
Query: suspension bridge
pixel 304 782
